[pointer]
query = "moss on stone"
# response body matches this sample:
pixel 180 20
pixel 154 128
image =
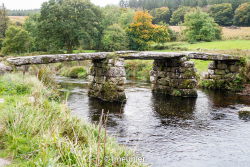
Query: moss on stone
pixel 110 92
pixel 176 92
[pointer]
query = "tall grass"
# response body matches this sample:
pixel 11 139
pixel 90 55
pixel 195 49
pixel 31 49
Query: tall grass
pixel 39 131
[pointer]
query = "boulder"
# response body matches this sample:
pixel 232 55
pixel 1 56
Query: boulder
pixel 244 113
pixel 4 68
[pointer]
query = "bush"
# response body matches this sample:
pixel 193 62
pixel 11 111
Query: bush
pixel 17 41
pixel 114 38
pixel 201 27
pixel 242 15
pixel 222 13
pixel 74 72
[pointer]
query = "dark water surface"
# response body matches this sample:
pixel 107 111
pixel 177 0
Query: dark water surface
pixel 172 131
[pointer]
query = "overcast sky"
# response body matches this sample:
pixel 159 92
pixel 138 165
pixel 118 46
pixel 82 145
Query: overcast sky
pixel 35 4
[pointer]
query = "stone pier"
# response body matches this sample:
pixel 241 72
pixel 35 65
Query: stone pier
pixel 109 78
pixel 222 73
pixel 176 77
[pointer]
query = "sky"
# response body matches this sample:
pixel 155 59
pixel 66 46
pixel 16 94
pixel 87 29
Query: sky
pixel 35 4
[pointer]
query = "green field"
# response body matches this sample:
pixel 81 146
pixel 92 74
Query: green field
pixel 215 45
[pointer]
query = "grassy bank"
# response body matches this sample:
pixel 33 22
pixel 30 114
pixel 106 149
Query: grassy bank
pixel 38 130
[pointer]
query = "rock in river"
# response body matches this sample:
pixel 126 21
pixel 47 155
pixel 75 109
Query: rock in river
pixel 244 113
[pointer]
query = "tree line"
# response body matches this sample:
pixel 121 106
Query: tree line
pixel 67 25
pixel 174 4
pixel 23 12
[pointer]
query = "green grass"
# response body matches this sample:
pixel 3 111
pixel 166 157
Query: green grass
pixel 84 51
pixel 220 45
pixel 201 65
pixel 215 45
pixel 38 131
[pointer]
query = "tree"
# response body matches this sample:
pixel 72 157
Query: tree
pixel 161 34
pixel 126 17
pixel 222 13
pixel 201 27
pixel 3 23
pixel 17 40
pixel 66 23
pixel 140 32
pixel 160 15
pixel 242 15
pixel 31 26
pixel 179 15
pixel 123 3
pixel 114 38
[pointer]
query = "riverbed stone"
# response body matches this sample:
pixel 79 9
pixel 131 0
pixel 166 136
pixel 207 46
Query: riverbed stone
pixel 244 113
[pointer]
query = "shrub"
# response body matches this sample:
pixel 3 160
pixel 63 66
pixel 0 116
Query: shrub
pixel 74 72
pixel 222 13
pixel 201 27
pixel 17 41
pixel 242 15
pixel 114 38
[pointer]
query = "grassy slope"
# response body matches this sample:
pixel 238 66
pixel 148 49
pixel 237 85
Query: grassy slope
pixel 37 130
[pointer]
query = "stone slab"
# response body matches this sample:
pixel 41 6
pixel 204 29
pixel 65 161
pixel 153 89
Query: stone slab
pixel 211 56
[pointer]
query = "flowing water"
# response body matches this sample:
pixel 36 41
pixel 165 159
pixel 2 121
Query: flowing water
pixel 172 131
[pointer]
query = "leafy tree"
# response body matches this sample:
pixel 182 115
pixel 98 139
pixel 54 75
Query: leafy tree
pixel 31 26
pixel 179 15
pixel 114 38
pixel 140 32
pixel 161 34
pixel 242 15
pixel 160 15
pixel 126 17
pixel 3 23
pixel 17 40
pixel 201 27
pixel 66 23
pixel 111 15
pixel 222 13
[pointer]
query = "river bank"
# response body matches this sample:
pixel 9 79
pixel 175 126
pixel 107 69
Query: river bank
pixel 39 130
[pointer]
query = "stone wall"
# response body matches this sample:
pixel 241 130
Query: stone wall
pixel 175 77
pixel 109 78
pixel 221 74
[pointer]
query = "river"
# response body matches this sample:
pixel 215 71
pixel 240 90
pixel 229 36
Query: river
pixel 171 131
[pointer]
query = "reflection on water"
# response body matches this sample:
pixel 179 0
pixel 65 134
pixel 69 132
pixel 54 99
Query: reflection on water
pixel 172 131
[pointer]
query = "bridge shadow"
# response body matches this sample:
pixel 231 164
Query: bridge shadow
pixel 170 107
pixel 96 106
